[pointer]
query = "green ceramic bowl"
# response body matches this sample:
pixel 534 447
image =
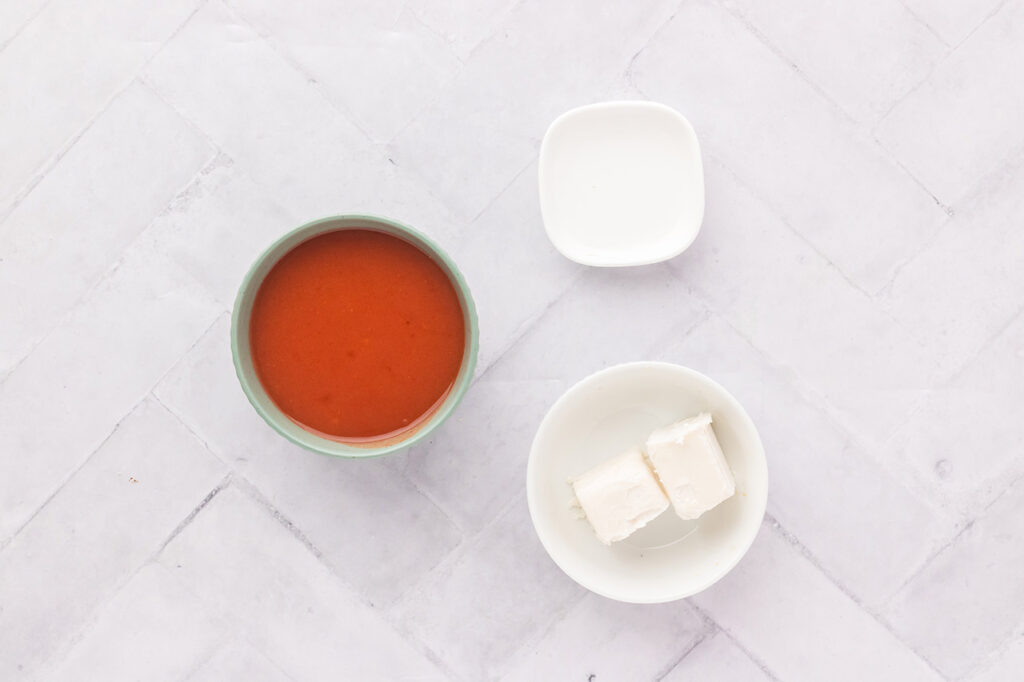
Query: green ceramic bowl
pixel 241 351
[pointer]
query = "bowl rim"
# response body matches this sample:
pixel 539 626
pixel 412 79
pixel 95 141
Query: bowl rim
pixel 326 446
pixel 566 248
pixel 531 488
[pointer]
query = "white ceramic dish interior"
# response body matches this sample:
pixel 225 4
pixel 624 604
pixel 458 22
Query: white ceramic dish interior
pixel 607 413
pixel 621 183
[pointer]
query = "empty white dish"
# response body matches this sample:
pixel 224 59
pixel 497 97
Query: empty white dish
pixel 621 183
pixel 607 413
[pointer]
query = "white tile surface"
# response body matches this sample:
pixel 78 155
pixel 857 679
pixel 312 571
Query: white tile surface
pixel 496 424
pixel 982 245
pixel 249 569
pixel 797 308
pixel 62 69
pixel 964 442
pixel 89 373
pixel 478 609
pixel 464 26
pixel 864 55
pixel 280 127
pixel 1006 665
pixel 789 615
pixel 328 40
pixel 961 123
pixel 953 20
pixel 582 331
pixel 73 226
pixel 238 660
pixel 970 598
pixel 789 143
pixel 110 517
pixel 217 227
pixel 153 629
pixel 717 658
pixel 493 252
pixel 857 284
pixel 14 16
pixel 610 641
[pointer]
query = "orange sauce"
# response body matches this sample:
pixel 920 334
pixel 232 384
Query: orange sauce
pixel 357 334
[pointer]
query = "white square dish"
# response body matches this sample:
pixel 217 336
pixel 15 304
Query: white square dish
pixel 621 183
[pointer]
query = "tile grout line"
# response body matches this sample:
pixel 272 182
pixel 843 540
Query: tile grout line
pixel 966 202
pixel 224 482
pixel 958 371
pixel 872 125
pixel 233 631
pixel 507 12
pixel 226 637
pixel 256 495
pixel 428 496
pixel 499 194
pixel 944 207
pixel 379 148
pixel 873 128
pixel 850 120
pixel 919 19
pixel 410 9
pixel 528 325
pixel 468 539
pixel 739 645
pixel 835 419
pixel 52 162
pixel 927 561
pixel 27 22
pixel 995 10
pixel 557 617
pixel 74 637
pixel 146 83
pixel 969 201
pixel 796 544
pixel 970 520
pixel 521 652
pixel 785 59
pixel 67 479
pixel 996 655
pixel 627 73
pixel 211 164
pixel 237 480
pixel 779 214
pixel 708 631
pixel 93 452
pixel 836 414
pixel 271 41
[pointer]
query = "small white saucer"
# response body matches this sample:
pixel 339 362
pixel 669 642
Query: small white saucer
pixel 621 183
pixel 607 413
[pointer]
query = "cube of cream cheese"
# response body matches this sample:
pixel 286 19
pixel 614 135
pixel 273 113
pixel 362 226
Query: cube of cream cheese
pixel 620 496
pixel 689 463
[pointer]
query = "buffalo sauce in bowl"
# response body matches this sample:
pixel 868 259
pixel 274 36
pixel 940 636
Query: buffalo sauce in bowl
pixel 357 335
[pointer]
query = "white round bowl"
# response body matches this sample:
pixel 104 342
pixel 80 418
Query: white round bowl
pixel 607 413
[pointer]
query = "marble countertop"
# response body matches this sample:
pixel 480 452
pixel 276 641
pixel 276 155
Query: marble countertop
pixel 858 284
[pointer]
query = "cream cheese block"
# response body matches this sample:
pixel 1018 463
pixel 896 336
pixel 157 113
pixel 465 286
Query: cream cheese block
pixel 620 496
pixel 689 463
